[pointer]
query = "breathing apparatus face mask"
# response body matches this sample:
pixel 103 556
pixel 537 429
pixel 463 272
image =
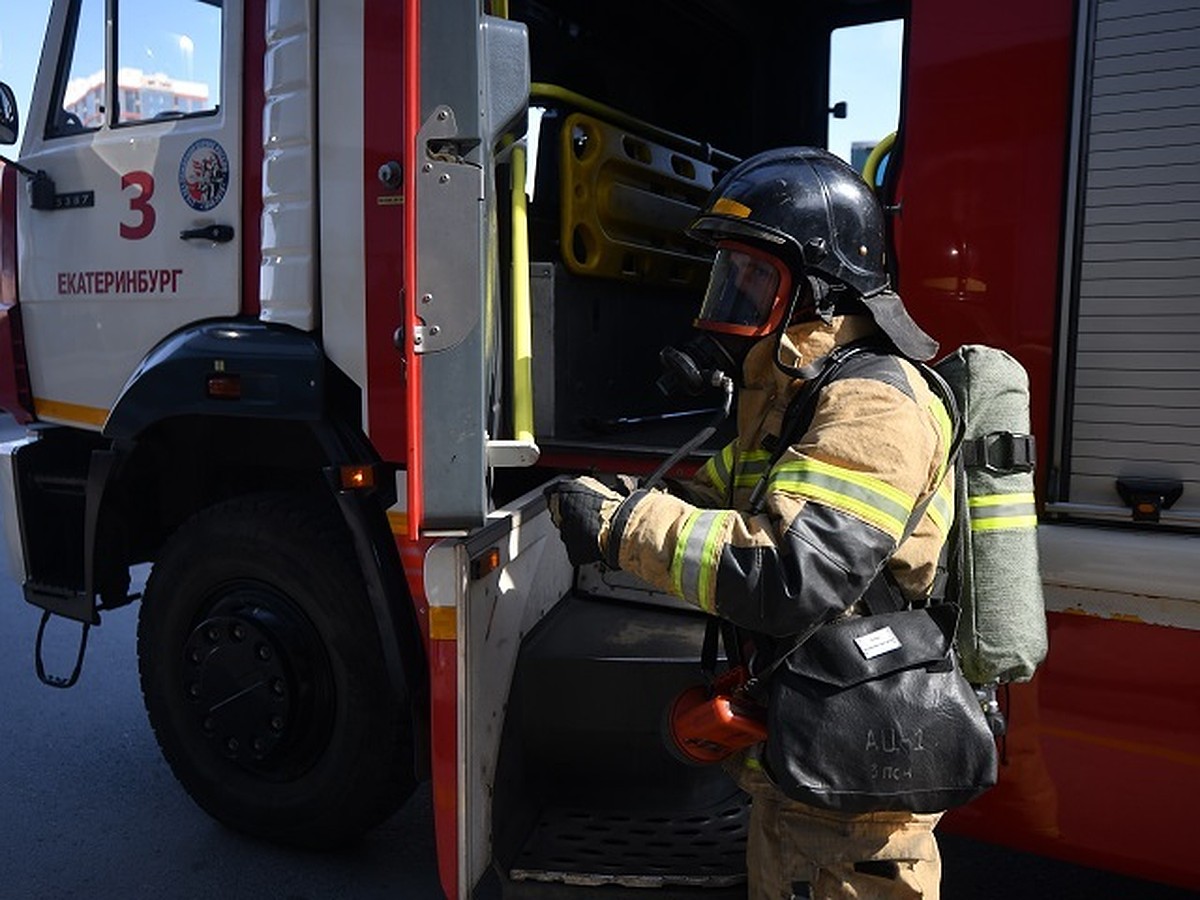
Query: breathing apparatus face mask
pixel 748 297
pixel 699 364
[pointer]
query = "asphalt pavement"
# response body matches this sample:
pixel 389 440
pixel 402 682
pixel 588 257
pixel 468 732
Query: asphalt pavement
pixel 89 809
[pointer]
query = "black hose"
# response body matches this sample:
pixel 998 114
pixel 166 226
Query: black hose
pixel 719 379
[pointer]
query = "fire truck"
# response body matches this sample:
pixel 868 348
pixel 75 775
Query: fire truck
pixel 303 304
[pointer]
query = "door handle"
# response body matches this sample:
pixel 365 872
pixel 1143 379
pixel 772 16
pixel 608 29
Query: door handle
pixel 218 234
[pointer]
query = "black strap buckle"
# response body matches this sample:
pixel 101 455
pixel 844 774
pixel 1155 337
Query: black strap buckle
pixel 1000 452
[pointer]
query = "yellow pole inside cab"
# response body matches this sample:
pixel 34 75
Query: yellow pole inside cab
pixel 522 317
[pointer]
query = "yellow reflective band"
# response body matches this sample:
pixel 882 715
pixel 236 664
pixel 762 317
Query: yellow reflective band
pixel 713 475
pixel 750 468
pixel 1002 512
pixel 697 552
pixel 1004 523
pixel 679 557
pixel 706 588
pixel 718 467
pixel 874 501
pixel 941 509
pixel 1000 499
pixel 945 429
pixel 869 514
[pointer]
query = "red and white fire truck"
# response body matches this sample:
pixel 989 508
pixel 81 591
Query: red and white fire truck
pixel 303 303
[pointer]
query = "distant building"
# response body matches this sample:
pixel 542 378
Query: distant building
pixel 139 96
pixel 859 151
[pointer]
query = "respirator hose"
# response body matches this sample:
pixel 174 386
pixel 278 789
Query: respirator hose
pixel 723 381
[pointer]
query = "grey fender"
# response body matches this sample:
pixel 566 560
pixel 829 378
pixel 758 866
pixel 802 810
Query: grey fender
pixel 281 372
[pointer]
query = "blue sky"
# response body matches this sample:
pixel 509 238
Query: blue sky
pixel 870 61
pixel 22 24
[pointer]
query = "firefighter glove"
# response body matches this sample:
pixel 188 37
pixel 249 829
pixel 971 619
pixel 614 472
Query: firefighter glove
pixel 581 508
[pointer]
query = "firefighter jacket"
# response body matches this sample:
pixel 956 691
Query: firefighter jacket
pixel 837 501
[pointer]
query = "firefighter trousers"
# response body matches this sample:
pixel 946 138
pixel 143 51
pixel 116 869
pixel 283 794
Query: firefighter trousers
pixel 798 851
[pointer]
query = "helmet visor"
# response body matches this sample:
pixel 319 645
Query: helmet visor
pixel 747 292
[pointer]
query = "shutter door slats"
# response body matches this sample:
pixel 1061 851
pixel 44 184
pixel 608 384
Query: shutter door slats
pixel 1173 212
pixel 1144 22
pixel 1147 85
pixel 1148 118
pixel 1136 9
pixel 1135 408
pixel 1155 137
pixel 1114 66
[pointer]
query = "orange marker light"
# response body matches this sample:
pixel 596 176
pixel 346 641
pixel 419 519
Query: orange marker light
pixel 485 563
pixel 224 386
pixel 356 478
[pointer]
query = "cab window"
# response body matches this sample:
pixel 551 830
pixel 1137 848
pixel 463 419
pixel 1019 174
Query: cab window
pixel 168 59
pixel 81 92
pixel 166 63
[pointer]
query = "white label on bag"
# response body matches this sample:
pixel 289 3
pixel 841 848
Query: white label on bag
pixel 877 643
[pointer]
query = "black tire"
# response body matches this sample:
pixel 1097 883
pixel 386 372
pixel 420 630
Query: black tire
pixel 263 676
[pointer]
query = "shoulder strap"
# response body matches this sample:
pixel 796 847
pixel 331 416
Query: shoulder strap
pixel 882 594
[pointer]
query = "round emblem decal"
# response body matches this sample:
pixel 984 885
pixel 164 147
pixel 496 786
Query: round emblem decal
pixel 203 174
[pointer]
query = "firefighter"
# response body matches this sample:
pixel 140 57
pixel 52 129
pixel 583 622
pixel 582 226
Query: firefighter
pixel 799 269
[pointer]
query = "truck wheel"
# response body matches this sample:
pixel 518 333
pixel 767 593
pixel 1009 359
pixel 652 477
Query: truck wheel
pixel 263 676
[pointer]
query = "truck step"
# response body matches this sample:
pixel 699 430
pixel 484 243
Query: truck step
pixel 701 848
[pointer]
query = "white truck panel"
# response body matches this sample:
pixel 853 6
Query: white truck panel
pixel 495 612
pixel 9 515
pixel 343 288
pixel 287 279
pixel 1118 573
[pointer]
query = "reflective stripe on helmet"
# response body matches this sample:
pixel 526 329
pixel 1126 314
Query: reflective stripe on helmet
pixel 867 498
pixel 997 512
pixel 726 207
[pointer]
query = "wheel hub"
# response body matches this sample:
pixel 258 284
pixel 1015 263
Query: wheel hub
pixel 252 681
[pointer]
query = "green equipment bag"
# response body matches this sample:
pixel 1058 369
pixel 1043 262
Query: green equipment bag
pixel 993 566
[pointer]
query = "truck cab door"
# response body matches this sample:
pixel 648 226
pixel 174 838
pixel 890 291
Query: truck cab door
pixel 136 117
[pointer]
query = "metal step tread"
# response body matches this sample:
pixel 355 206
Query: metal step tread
pixel 703 848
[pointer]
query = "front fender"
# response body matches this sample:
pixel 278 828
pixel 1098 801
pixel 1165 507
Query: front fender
pixel 279 373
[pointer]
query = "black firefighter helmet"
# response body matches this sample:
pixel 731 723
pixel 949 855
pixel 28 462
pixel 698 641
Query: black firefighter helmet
pixel 789 213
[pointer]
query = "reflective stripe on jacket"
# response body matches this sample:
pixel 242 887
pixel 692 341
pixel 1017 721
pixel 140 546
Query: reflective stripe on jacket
pixel 837 499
